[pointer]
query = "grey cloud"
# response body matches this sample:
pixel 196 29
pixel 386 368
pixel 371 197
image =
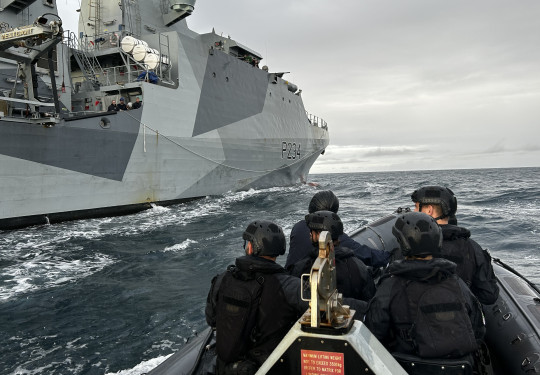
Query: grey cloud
pixel 393 151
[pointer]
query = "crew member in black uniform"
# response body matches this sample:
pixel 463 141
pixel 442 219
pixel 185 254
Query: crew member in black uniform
pixel 112 106
pixel 121 106
pixel 254 303
pixel 300 243
pixel 473 263
pixel 137 103
pixel 353 277
pixel 422 308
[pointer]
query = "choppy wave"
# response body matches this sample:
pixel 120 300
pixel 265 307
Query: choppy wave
pixel 46 270
pixel 181 246
pixel 118 295
pixel 142 367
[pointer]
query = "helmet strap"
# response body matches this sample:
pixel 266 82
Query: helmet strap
pixel 440 217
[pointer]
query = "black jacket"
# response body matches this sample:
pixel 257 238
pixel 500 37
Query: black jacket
pixel 280 305
pixel 370 256
pixel 389 313
pixel 473 263
pixel 353 277
pixel 300 246
pixel 121 106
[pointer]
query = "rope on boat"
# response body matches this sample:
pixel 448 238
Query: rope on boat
pixel 515 272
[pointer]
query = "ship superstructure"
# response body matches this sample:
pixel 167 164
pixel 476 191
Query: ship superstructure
pixel 213 118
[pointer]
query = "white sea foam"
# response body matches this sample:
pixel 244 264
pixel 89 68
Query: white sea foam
pixel 142 367
pixel 183 214
pixel 45 270
pixel 180 246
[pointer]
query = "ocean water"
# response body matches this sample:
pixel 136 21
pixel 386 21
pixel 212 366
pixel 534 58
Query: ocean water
pixel 118 295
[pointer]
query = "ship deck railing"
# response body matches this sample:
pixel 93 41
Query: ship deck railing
pixel 317 121
pixel 99 42
pixel 122 74
pixel 117 75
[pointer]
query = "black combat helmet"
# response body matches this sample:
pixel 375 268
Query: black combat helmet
pixel 438 195
pixel 267 238
pixel 325 220
pixel 324 201
pixel 418 234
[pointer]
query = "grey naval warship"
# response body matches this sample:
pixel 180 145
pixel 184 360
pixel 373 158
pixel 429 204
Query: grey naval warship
pixel 211 119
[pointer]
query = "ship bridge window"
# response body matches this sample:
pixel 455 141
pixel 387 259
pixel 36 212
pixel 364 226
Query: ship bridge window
pixel 237 51
pixel 245 54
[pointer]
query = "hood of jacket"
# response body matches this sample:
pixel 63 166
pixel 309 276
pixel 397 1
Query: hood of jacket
pixel 453 232
pixel 340 252
pixel 422 270
pixel 250 265
pixel 343 252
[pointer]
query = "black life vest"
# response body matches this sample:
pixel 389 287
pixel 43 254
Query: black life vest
pixel 247 323
pixel 432 319
pixel 349 276
pixel 457 248
pixel 236 317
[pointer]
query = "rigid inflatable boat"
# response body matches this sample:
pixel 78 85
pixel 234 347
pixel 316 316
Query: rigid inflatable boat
pixel 512 337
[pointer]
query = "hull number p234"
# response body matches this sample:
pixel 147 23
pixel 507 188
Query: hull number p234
pixel 290 150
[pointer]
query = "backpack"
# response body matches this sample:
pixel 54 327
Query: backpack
pixel 236 318
pixel 349 281
pixel 461 252
pixel 441 327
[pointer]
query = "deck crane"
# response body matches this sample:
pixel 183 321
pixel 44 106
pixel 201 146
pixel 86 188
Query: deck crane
pixel 37 40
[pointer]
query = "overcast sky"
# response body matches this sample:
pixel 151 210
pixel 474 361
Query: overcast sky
pixel 402 84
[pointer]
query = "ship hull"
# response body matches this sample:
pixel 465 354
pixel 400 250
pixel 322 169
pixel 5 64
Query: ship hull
pixel 80 169
pixel 212 124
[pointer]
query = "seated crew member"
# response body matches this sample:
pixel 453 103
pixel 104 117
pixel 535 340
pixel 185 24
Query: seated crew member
pixel 300 242
pixel 473 263
pixel 112 106
pixel 422 308
pixel 137 103
pixel 353 277
pixel 121 106
pixel 254 303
